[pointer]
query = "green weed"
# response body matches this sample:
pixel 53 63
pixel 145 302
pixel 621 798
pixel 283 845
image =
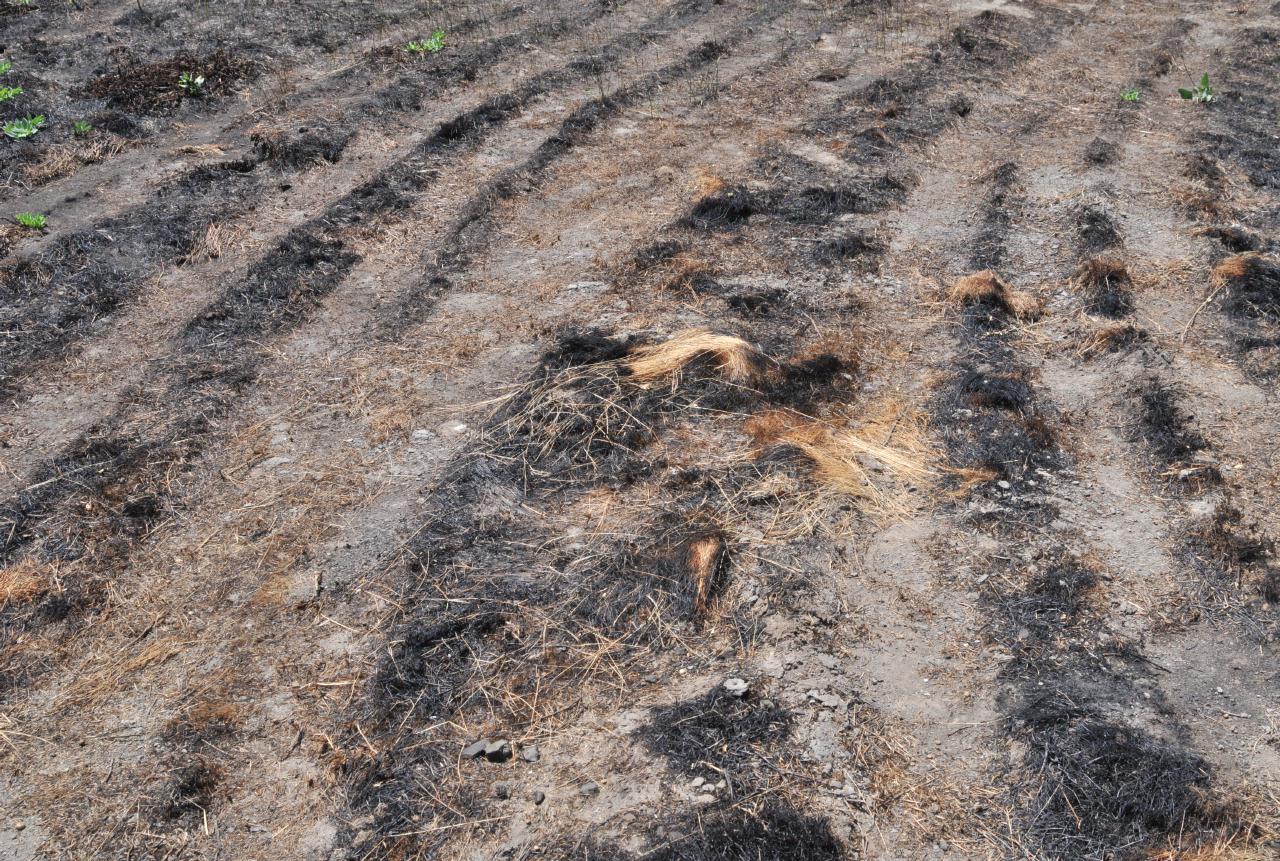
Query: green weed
pixel 427 46
pixel 7 93
pixel 31 220
pixel 23 128
pixel 1133 94
pixel 191 83
pixel 80 128
pixel 1202 92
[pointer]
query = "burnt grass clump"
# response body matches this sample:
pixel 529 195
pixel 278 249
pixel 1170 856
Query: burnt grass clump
pixel 1003 201
pixel 1103 773
pixel 1170 433
pixel 716 733
pixel 756 831
pixel 1236 565
pixel 861 249
pixel 1096 230
pixel 1106 287
pixel 303 147
pixel 721 210
pixel 992 426
pixel 190 791
pixel 1251 283
pixel 728 833
pixel 152 87
pixel 1234 238
pixel 1101 152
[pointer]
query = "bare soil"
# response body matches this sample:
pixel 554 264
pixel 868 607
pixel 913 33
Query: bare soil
pixel 641 429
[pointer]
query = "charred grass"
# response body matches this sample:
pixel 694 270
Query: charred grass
pixel 528 614
pixel 1104 770
pixel 151 87
pixel 87 496
pixel 1182 452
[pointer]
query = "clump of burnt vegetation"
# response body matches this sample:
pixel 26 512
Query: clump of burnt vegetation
pixel 303 147
pixel 994 430
pixel 510 606
pixel 1251 285
pixel 1096 230
pixel 717 733
pixel 1181 449
pixel 742 831
pixel 1106 287
pixel 152 87
pixel 1103 765
pixel 1004 199
pixel 1236 564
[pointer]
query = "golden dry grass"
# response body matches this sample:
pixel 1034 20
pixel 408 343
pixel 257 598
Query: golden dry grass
pixel 734 359
pixel 987 286
pixel 64 159
pixel 885 450
pixel 24 581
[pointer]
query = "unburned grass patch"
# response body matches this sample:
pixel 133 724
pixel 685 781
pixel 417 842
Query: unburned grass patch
pixel 987 301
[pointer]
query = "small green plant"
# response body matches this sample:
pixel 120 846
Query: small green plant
pixel 7 93
pixel 1202 92
pixel 80 128
pixel 1133 94
pixel 23 128
pixel 191 83
pixel 427 46
pixel 5 66
pixel 31 220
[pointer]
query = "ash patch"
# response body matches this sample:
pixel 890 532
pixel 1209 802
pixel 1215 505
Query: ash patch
pixel 727 732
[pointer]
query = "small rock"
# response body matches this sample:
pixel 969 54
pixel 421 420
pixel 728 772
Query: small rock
pixel 18 825
pixel 539 796
pixel 590 788
pixel 705 798
pixel 530 753
pixel 474 749
pixel 498 751
pixel 697 781
pixel 735 687
pixel 1003 485
pixel 720 784
pixel 503 789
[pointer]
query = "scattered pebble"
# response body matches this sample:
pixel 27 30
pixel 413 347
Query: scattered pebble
pixel 498 751
pixel 590 788
pixel 697 781
pixel 539 796
pixel 530 753
pixel 735 687
pixel 474 749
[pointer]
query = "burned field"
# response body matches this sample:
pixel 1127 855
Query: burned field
pixel 655 429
